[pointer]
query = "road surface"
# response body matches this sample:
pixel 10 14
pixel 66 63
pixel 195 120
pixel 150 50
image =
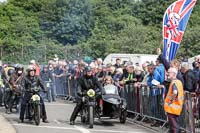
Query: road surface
pixel 59 114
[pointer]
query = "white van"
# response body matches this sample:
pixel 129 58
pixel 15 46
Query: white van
pixel 135 58
pixel 191 60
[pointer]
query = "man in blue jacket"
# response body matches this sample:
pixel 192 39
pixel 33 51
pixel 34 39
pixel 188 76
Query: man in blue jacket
pixel 154 75
pixel 174 63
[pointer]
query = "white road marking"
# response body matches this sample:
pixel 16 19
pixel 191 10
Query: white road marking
pixel 83 130
pixel 57 122
pixel 79 129
pixel 59 104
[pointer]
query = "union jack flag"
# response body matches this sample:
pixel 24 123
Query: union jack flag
pixel 174 24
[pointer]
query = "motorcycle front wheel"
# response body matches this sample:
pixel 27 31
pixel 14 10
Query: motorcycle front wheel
pixel 91 117
pixel 37 114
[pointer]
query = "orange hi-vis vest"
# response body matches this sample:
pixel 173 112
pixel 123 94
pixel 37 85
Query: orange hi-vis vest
pixel 174 106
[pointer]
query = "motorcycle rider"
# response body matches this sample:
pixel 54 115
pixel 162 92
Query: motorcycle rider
pixel 7 88
pixel 29 81
pixel 15 85
pixel 86 82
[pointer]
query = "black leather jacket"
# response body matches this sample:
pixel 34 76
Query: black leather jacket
pixel 28 83
pixel 86 83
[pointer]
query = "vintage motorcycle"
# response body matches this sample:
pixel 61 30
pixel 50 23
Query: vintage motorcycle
pixel 87 112
pixel 103 104
pixel 34 106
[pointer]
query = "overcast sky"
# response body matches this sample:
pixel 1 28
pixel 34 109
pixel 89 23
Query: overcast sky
pixel 2 0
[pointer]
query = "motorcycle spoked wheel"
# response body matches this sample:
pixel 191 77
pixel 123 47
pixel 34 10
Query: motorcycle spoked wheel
pixel 91 116
pixel 123 116
pixel 36 110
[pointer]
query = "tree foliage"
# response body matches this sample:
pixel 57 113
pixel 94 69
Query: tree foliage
pixel 38 29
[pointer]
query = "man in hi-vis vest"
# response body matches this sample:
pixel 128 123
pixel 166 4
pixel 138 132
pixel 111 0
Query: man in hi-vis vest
pixel 174 100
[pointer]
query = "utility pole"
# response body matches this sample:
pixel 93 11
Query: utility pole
pixel 45 56
pixel 22 51
pixel 1 52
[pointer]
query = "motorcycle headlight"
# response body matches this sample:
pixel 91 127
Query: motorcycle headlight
pixel 91 93
pixel 35 98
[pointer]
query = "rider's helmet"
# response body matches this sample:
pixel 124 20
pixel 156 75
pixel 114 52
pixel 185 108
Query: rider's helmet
pixel 88 72
pixel 45 66
pixel 88 69
pixel 30 68
pixel 19 68
pixel 10 71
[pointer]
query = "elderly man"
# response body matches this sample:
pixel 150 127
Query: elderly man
pixel 189 78
pixel 174 100
pixel 129 77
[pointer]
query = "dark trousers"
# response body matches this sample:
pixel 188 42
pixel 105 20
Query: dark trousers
pixel 25 99
pixel 7 97
pixel 174 123
pixel 14 99
pixel 77 109
pixel 1 95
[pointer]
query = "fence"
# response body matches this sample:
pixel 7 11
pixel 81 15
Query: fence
pixel 64 87
pixel 148 104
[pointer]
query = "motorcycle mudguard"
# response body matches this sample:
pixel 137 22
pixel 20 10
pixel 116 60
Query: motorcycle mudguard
pixel 113 99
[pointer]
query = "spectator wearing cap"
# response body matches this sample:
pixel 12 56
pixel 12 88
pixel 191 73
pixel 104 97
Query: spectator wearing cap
pixel 118 63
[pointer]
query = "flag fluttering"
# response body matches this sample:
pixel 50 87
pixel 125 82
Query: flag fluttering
pixel 174 24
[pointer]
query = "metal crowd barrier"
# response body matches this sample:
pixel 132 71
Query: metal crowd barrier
pixel 143 104
pixel 65 87
pixel 146 103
